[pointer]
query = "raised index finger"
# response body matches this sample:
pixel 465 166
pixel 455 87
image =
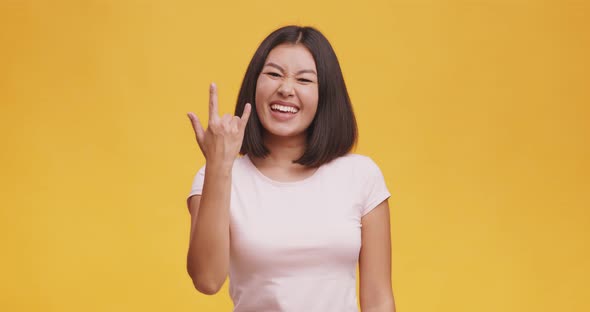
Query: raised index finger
pixel 213 114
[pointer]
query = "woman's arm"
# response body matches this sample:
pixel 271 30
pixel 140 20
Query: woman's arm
pixel 208 253
pixel 376 294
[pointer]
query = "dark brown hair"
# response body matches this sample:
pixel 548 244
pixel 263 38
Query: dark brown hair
pixel 333 131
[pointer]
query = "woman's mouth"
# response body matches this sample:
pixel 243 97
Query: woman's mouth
pixel 284 109
pixel 282 112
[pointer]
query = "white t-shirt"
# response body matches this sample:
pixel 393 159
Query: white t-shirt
pixel 294 246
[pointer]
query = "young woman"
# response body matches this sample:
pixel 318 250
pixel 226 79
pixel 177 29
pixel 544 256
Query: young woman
pixel 291 218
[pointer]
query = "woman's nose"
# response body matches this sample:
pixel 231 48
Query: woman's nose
pixel 286 88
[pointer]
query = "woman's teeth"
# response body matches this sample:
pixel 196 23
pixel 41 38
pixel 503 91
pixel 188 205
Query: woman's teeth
pixel 284 109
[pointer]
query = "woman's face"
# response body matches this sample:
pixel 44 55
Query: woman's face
pixel 287 91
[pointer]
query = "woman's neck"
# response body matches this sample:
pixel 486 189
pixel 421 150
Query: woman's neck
pixel 283 150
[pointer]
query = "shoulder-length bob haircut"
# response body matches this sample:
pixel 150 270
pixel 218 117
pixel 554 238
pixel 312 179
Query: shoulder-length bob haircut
pixel 333 131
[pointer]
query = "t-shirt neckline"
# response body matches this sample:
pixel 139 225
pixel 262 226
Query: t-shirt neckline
pixel 279 183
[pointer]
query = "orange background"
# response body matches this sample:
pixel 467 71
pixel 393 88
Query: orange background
pixel 477 112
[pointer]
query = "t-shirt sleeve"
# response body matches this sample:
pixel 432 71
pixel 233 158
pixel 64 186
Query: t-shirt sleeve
pixel 197 187
pixel 375 190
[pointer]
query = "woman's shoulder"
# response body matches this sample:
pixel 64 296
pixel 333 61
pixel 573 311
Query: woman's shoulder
pixel 356 162
pixel 353 158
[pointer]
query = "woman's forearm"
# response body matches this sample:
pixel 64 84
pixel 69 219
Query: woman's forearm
pixel 384 306
pixel 208 255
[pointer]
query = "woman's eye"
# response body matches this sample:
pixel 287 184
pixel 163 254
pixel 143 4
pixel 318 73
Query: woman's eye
pixel 304 80
pixel 273 74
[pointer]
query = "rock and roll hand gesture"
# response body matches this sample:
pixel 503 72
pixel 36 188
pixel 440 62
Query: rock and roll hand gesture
pixel 222 140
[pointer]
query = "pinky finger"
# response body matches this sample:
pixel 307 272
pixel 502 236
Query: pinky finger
pixel 245 115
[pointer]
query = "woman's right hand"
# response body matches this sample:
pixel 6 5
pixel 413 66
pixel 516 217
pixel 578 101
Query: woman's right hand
pixel 222 140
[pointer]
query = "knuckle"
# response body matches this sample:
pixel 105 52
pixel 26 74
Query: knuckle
pixel 214 129
pixel 221 127
pixel 227 127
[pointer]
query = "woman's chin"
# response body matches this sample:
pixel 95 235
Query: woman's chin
pixel 285 133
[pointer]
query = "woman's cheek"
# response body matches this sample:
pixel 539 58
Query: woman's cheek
pixel 262 90
pixel 310 95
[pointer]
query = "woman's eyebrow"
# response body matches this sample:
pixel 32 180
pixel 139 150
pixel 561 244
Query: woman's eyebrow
pixel 271 64
pixel 311 71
